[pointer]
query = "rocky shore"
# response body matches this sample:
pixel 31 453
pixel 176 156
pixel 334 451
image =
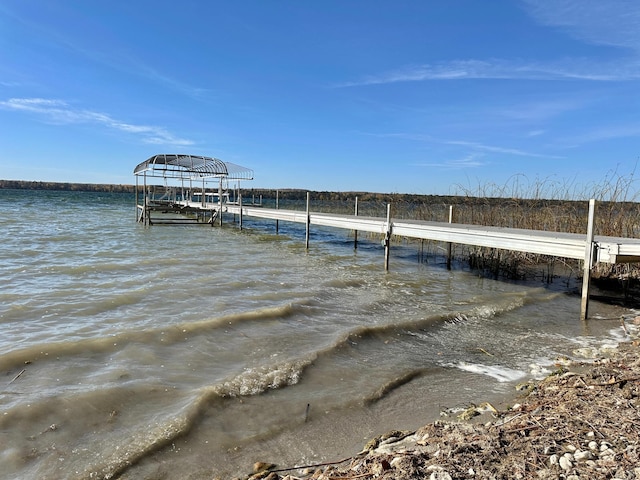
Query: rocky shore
pixel 582 422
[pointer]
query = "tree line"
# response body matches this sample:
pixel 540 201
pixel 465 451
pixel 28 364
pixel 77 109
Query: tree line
pixel 69 187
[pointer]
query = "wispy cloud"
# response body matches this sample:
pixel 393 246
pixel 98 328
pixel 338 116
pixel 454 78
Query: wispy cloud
pixel 535 133
pixel 470 161
pixel 567 69
pixel 60 112
pixel 478 149
pixel 593 21
pixel 538 110
pixel 496 149
pixel 604 133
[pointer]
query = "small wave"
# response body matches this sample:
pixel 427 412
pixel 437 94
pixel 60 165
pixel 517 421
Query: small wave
pixel 254 381
pixel 165 335
pixel 501 374
pixel 282 311
pixel 112 458
pixel 394 384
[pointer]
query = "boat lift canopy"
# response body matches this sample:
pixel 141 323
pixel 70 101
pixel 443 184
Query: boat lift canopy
pixel 191 167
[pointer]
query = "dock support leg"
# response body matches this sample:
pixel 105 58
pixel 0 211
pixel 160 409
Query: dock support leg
pixel 355 232
pixel 277 207
pixel 308 223
pixel 449 244
pixel 240 201
pixel 588 261
pixel 387 239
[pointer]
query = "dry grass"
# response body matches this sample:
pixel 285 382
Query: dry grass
pixel 539 204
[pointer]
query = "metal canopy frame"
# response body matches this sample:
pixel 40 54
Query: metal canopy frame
pixel 182 166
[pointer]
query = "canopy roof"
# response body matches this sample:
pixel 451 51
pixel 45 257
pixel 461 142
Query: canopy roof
pixel 191 166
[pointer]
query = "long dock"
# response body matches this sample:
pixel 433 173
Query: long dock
pixel 190 173
pixel 588 248
pixel 557 244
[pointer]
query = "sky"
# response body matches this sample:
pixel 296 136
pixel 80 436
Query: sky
pixel 406 96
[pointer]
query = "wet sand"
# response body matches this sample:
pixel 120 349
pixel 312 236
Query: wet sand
pixel 580 422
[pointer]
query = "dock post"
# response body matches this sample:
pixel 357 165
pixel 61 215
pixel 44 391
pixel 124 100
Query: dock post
pixel 277 206
pixel 240 202
pixel 219 202
pixel 588 261
pixel 308 223
pixel 147 210
pixel 449 244
pixel 136 200
pixel 355 232
pixel 387 239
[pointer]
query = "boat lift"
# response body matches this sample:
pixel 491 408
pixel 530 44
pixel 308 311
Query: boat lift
pixel 194 190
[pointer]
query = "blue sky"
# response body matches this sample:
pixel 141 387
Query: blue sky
pixel 429 97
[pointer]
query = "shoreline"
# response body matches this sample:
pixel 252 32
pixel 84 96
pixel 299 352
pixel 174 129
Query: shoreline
pixel 579 422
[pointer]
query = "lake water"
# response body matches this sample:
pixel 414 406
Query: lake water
pixel 191 352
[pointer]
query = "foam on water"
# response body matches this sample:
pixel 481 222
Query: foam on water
pixel 500 373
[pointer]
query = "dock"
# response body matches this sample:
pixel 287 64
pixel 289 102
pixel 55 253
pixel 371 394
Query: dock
pixel 191 199
pixel 588 248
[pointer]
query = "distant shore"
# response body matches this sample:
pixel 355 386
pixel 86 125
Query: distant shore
pixel 283 193
pixel 66 187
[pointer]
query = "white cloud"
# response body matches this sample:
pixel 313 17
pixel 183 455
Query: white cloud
pixel 535 133
pixel 566 69
pixel 470 161
pixel 604 133
pixel 609 22
pixel 495 149
pixel 612 23
pixel 58 111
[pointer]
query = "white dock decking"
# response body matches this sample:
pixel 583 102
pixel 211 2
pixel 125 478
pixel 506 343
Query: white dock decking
pixel 557 244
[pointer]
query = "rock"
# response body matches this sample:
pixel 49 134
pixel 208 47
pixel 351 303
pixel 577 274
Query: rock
pixel 440 475
pixel 582 455
pixel 260 467
pixel 565 462
pixel 605 446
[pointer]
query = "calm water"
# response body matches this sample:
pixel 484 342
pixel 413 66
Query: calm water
pixel 187 352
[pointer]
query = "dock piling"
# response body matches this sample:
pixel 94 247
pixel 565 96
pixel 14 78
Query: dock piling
pixel 308 223
pixel 588 262
pixel 449 244
pixel 355 232
pixel 387 238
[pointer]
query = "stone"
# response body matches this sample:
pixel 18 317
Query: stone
pixel 582 455
pixel 440 475
pixel 259 467
pixel 565 463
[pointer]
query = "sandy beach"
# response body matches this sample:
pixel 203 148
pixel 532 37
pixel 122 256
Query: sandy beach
pixel 581 422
